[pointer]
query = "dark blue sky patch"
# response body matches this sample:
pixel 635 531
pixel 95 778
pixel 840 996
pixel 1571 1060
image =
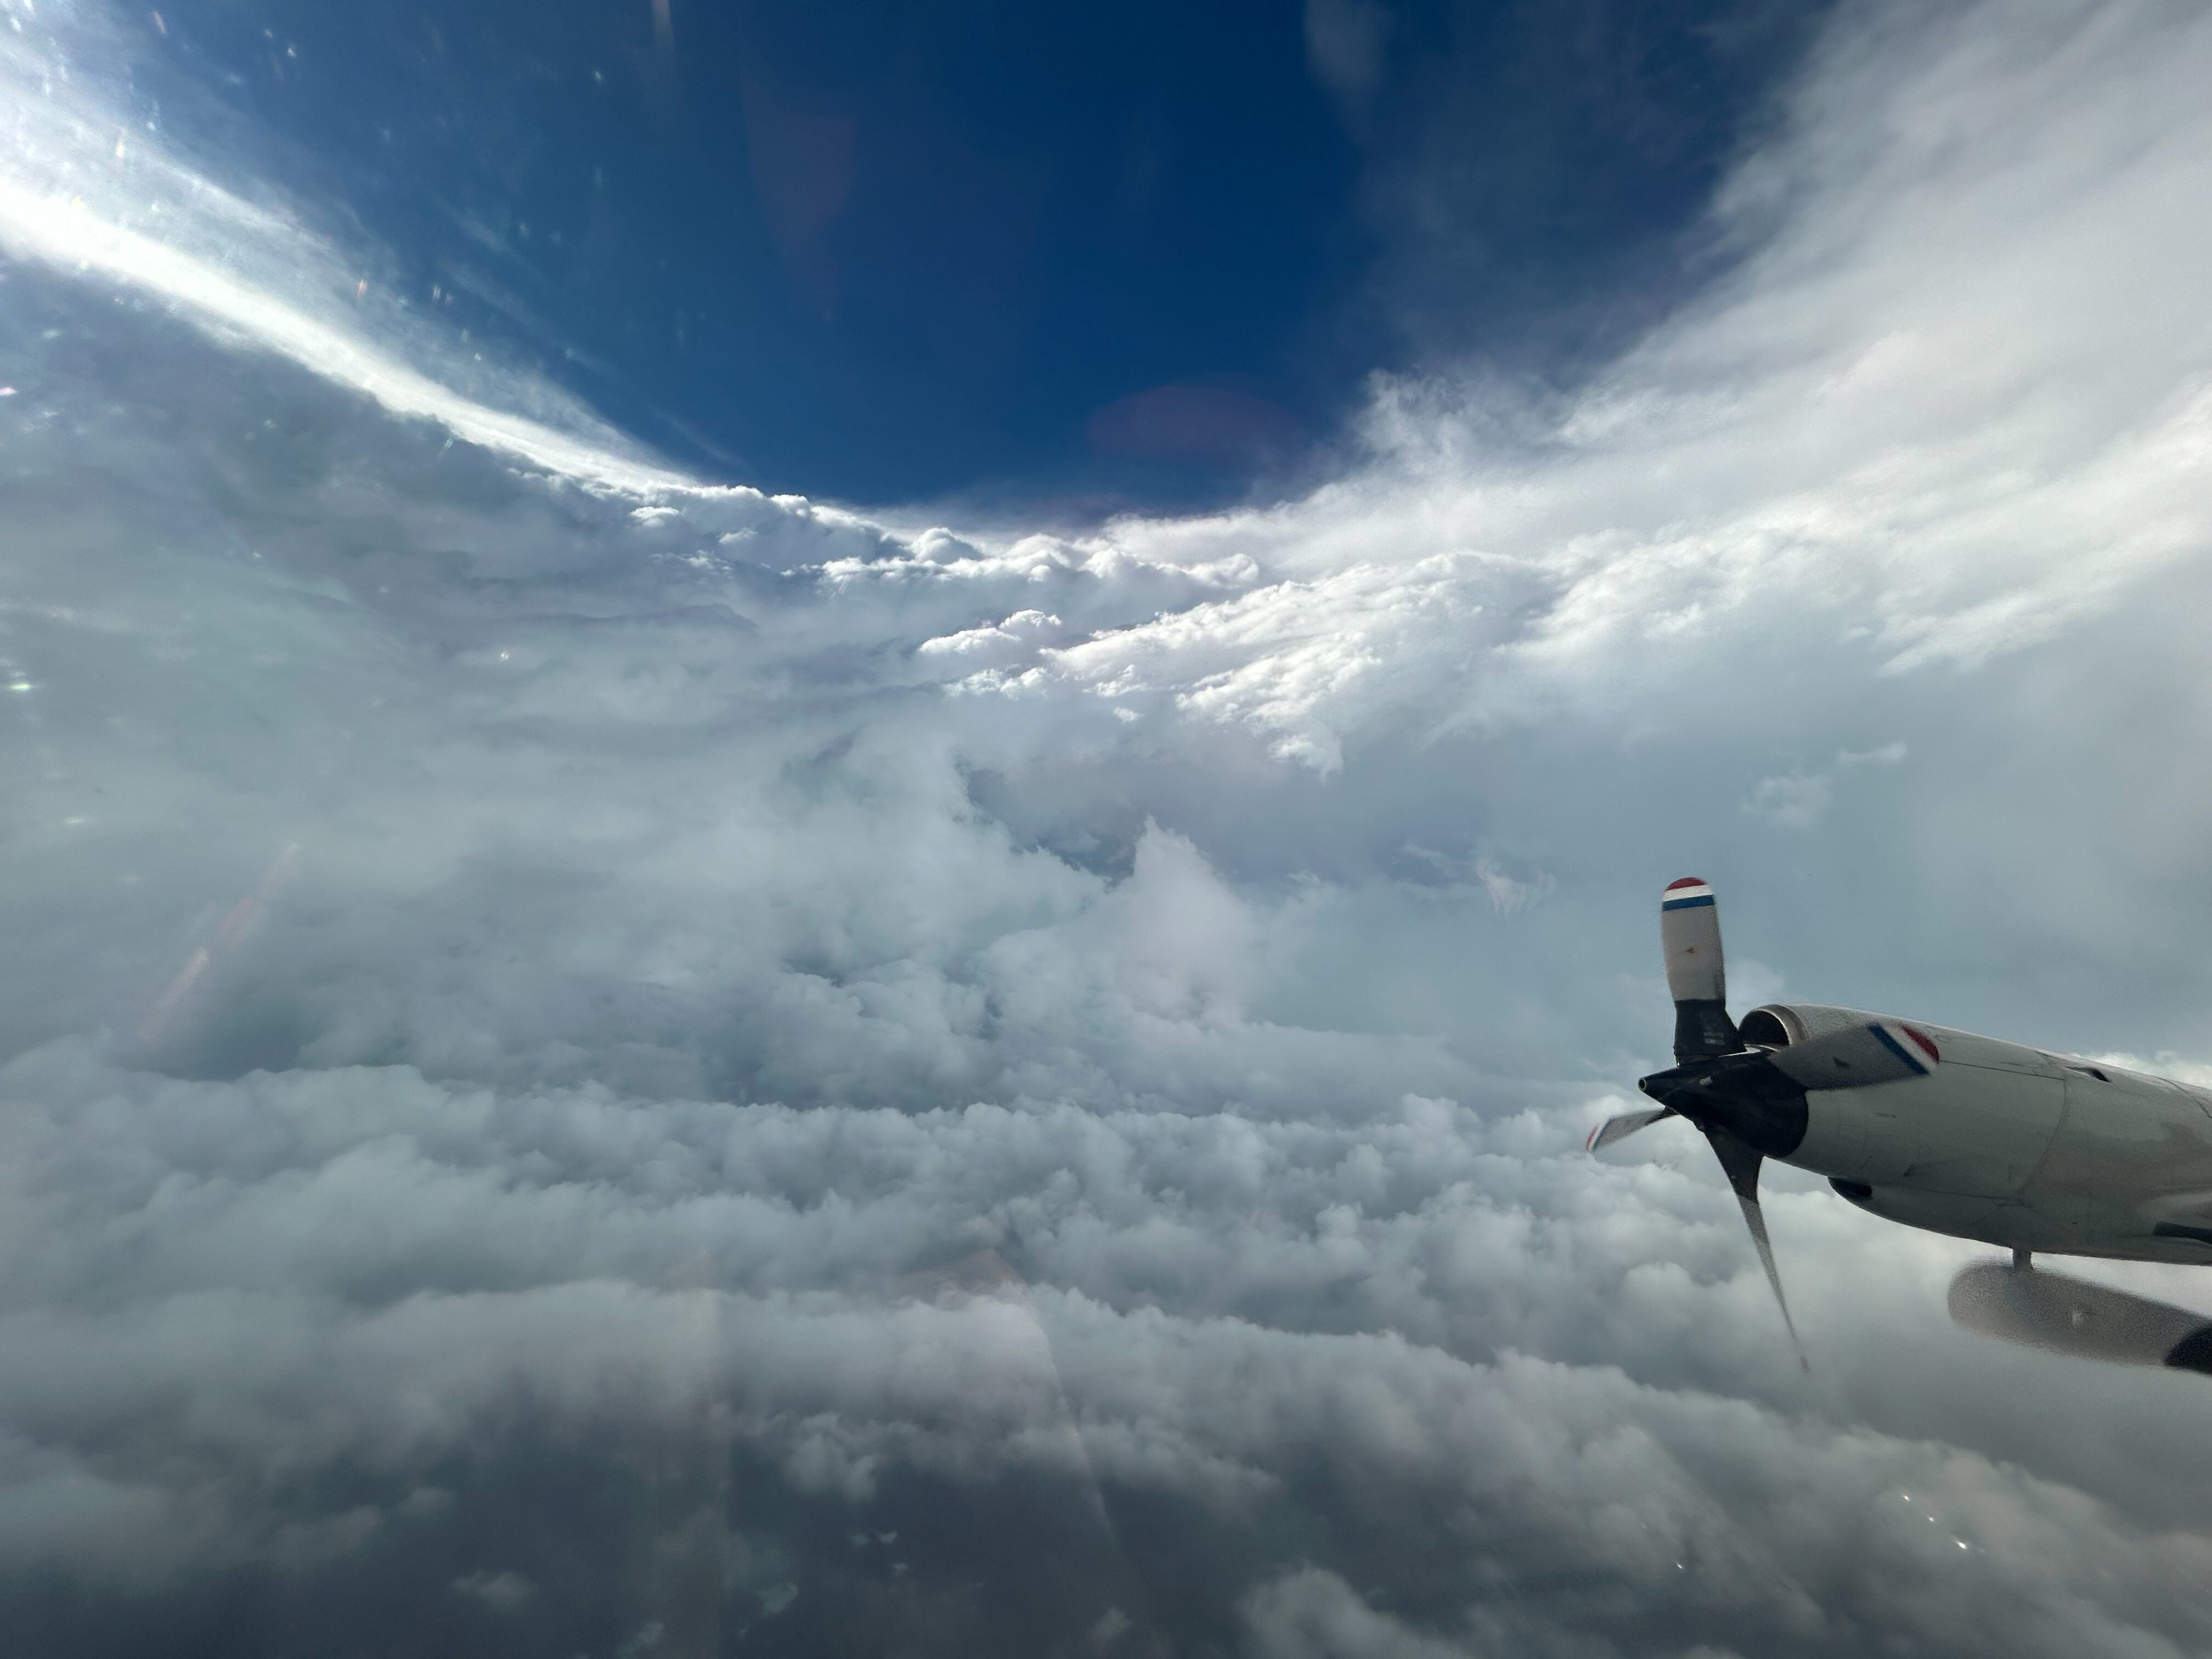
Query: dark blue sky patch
pixel 1077 257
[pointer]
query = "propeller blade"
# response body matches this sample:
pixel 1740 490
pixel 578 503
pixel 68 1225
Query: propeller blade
pixel 1697 976
pixel 1740 1163
pixel 1620 1128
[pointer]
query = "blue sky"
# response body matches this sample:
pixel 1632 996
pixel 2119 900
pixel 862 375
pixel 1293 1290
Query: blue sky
pixel 1077 256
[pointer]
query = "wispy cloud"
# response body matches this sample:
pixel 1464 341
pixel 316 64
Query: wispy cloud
pixel 91 188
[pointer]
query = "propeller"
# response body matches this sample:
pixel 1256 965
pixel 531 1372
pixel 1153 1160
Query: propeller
pixel 1747 1106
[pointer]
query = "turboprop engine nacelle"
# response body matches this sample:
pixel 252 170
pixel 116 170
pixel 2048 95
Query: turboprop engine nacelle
pixel 1935 1128
pixel 1915 1047
pixel 1856 1048
pixel 1958 1116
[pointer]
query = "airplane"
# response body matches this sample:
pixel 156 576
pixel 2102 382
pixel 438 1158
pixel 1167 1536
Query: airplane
pixel 1917 1123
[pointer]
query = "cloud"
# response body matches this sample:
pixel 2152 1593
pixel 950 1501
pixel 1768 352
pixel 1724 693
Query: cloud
pixel 1314 1614
pixel 133 213
pixel 1345 40
pixel 503 1590
pixel 361 1272
pixel 578 1041
pixel 1795 801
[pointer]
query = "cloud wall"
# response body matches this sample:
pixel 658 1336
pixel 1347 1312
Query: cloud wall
pixel 598 1063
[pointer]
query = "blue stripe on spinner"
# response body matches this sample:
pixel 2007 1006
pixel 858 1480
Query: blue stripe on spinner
pixel 1687 903
pixel 1897 1048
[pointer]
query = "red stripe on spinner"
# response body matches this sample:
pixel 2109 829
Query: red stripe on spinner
pixel 1687 881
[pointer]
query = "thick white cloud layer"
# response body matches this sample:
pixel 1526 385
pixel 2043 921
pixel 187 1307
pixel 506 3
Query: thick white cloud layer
pixel 604 1064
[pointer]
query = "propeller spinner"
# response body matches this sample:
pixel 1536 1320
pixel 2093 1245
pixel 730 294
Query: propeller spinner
pixel 1747 1108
